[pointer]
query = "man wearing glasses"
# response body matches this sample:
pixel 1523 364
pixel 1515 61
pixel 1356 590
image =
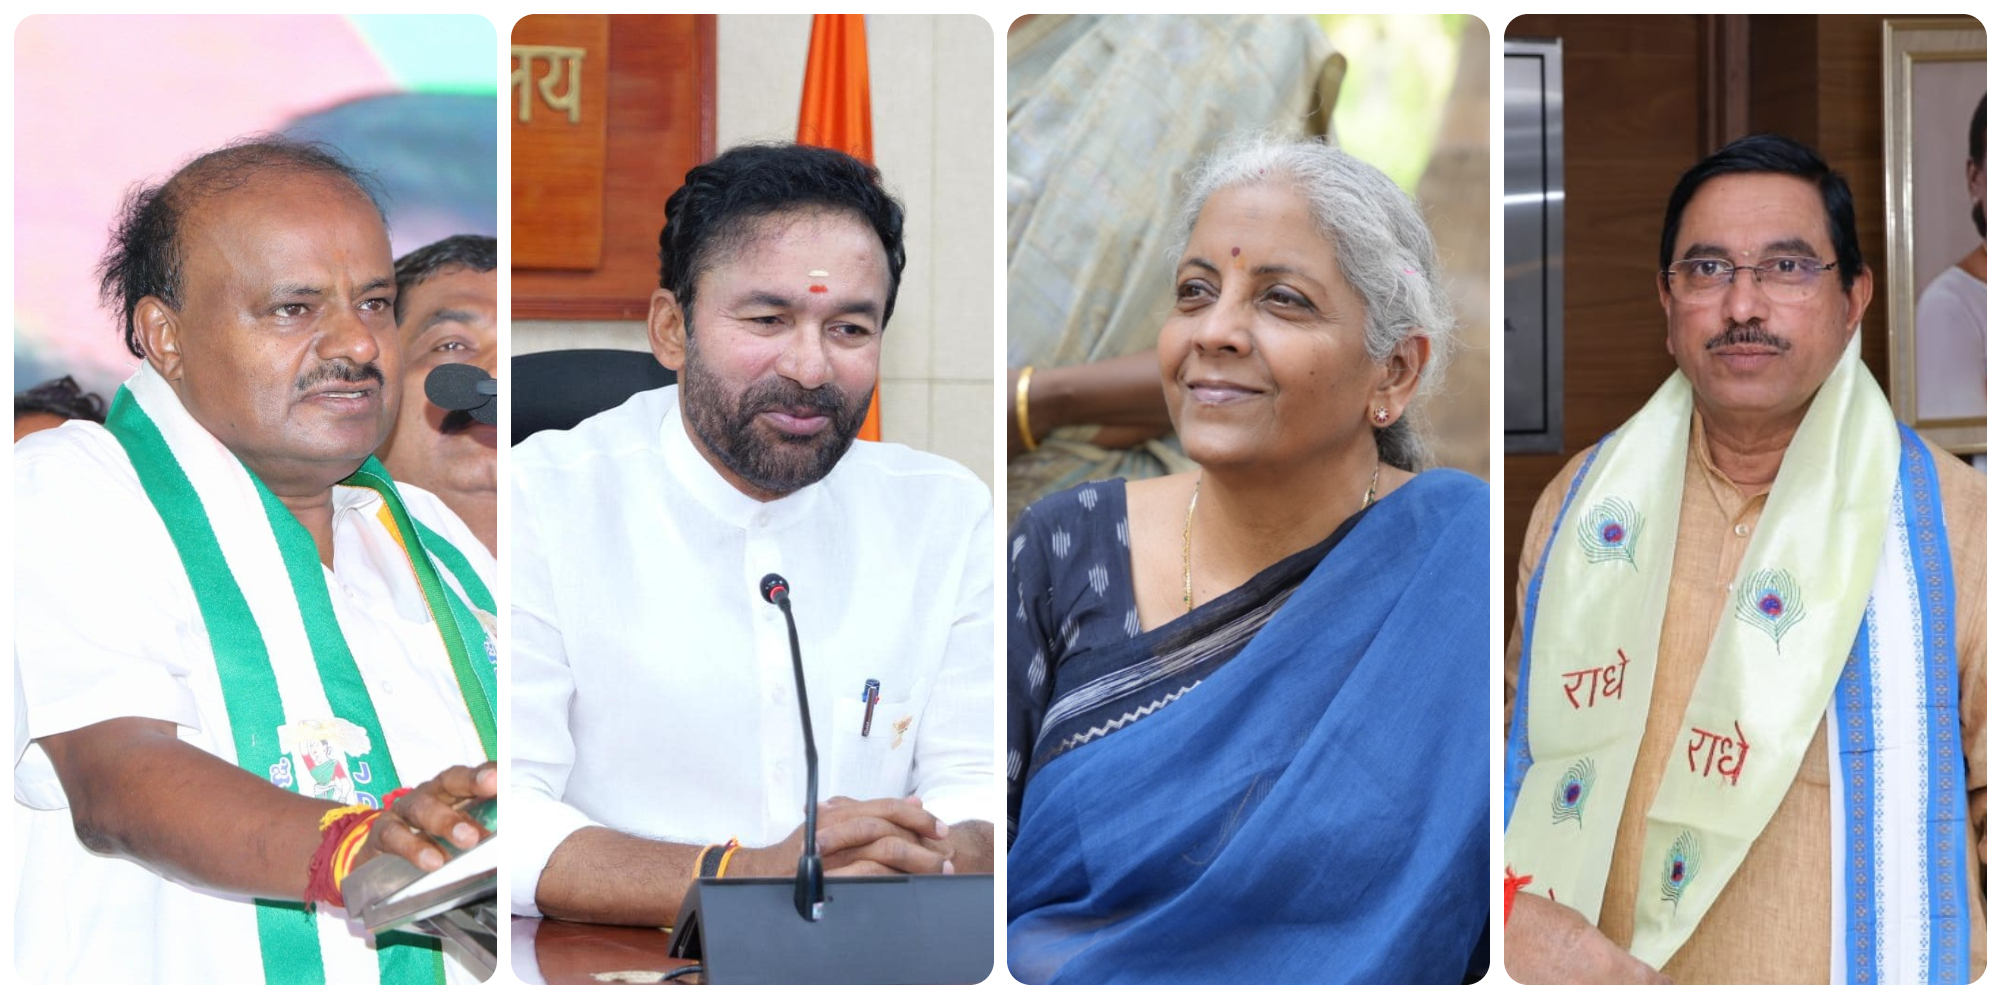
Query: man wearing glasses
pixel 1747 728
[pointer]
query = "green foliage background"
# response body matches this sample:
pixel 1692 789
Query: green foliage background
pixel 1399 71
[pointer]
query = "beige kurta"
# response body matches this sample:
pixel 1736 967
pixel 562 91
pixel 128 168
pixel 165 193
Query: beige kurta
pixel 1773 923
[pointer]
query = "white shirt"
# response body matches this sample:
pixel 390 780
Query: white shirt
pixel 653 688
pixel 1951 347
pixel 106 626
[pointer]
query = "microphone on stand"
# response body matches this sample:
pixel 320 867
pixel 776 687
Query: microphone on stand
pixel 909 929
pixel 462 388
pixel 809 886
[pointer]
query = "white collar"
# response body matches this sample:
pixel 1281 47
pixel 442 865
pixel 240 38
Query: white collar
pixel 354 499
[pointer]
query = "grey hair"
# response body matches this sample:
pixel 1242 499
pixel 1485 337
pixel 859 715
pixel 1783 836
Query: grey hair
pixel 1384 249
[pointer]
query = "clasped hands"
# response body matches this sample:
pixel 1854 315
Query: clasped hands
pixel 877 836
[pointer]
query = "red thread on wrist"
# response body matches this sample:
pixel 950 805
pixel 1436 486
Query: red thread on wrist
pixel 1514 884
pixel 389 800
pixel 320 883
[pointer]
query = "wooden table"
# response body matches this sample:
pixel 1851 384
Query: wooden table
pixel 554 952
pixel 881 918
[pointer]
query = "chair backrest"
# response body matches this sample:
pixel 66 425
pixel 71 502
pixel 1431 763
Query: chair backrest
pixel 558 389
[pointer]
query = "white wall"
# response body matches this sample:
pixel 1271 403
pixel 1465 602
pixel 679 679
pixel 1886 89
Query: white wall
pixel 931 86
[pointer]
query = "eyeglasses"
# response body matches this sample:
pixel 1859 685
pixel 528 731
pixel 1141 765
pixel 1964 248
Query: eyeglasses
pixel 1784 279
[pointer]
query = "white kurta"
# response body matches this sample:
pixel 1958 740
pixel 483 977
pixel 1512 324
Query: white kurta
pixel 1951 347
pixel 106 626
pixel 652 686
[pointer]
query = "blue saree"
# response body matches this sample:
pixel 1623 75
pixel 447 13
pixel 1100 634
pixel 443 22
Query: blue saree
pixel 1311 809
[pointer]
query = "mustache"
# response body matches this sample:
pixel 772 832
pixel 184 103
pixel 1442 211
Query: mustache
pixel 783 393
pixel 1751 333
pixel 340 370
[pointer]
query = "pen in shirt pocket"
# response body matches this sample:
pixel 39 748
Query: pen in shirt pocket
pixel 870 693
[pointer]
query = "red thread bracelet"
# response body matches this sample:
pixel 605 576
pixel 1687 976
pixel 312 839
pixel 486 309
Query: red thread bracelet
pixel 320 885
pixel 389 800
pixel 1514 884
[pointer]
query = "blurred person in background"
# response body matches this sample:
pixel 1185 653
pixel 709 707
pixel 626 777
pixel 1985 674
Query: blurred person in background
pixel 52 403
pixel 446 313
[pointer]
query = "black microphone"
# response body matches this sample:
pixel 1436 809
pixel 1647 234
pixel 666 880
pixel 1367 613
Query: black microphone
pixel 809 887
pixel 462 388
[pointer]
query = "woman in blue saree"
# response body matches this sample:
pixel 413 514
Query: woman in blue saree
pixel 1248 706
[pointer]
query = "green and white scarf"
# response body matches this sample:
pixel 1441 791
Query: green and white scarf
pixel 299 712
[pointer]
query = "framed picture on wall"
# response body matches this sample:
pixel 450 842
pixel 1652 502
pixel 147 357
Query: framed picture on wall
pixel 1934 86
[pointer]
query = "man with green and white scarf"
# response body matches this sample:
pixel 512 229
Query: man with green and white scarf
pixel 236 638
pixel 1747 732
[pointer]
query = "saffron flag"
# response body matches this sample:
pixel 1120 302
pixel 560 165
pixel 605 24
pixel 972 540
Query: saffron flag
pixel 833 113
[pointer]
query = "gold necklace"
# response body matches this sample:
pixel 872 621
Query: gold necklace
pixel 1187 533
pixel 1187 549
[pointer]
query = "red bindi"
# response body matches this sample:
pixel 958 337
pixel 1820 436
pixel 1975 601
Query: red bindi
pixel 818 289
pixel 1235 251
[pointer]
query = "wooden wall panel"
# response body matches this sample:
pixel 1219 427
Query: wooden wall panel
pixel 1850 137
pixel 1632 124
pixel 1818 79
pixel 660 122
pixel 558 151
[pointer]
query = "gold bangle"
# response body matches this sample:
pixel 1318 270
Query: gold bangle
pixel 1021 407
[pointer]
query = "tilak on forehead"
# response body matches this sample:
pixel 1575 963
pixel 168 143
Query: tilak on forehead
pixel 817 289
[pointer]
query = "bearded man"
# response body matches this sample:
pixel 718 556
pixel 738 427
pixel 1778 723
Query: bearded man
pixel 657 734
